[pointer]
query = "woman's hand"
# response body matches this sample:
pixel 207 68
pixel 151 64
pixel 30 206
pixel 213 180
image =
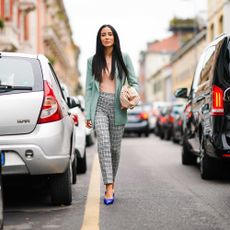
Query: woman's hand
pixel 88 124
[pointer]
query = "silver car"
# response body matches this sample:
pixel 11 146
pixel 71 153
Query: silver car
pixel 36 131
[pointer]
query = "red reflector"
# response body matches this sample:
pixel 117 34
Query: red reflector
pixel 226 155
pixel 217 101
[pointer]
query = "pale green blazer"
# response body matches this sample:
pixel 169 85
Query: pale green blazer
pixel 93 90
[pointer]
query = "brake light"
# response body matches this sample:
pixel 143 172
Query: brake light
pixel 50 109
pixel 217 101
pixel 171 119
pixel 75 119
pixel 179 123
pixel 143 116
pixel 188 111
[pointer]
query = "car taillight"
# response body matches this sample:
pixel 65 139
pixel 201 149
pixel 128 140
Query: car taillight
pixel 179 123
pixel 188 111
pixel 217 101
pixel 143 116
pixel 171 119
pixel 50 109
pixel 75 119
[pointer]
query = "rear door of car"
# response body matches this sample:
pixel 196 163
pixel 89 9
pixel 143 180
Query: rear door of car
pixel 21 94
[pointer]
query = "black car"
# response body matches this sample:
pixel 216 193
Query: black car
pixel 138 121
pixel 169 129
pixel 206 124
pixel 177 132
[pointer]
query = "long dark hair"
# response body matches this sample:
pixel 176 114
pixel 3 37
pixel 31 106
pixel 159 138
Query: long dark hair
pixel 99 62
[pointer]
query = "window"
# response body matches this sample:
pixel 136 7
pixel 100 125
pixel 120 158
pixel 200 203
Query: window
pixel 7 8
pixel 207 65
pixel 220 25
pixel 198 71
pixel 17 71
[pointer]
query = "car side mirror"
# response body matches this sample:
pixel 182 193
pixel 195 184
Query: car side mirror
pixel 181 93
pixel 71 102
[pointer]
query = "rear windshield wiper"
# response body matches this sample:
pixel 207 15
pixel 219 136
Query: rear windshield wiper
pixel 14 87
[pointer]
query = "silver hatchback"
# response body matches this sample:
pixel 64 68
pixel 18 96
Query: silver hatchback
pixel 36 131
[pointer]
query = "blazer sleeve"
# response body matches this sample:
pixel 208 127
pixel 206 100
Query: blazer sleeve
pixel 132 78
pixel 88 89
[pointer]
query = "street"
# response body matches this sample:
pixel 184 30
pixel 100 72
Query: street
pixel 153 191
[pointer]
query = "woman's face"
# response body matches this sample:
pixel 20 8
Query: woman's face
pixel 107 38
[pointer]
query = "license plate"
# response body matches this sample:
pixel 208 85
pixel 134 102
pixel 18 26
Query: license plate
pixel 2 158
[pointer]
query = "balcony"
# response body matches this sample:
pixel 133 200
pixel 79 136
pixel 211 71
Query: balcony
pixel 9 37
pixel 53 41
pixel 27 5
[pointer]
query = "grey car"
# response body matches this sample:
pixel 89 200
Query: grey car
pixel 36 131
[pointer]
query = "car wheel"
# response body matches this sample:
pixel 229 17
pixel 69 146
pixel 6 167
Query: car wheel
pixel 90 139
pixel 74 169
pixel 209 167
pixel 187 158
pixel 61 187
pixel 81 164
pixel 146 133
pixel 162 135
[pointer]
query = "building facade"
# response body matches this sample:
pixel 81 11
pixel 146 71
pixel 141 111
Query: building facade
pixel 218 18
pixel 41 26
pixel 184 61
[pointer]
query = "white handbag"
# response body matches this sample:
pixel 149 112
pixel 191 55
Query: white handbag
pixel 129 97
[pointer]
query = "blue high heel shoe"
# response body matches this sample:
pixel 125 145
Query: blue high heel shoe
pixel 108 201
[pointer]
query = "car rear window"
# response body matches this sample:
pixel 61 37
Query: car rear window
pixel 23 72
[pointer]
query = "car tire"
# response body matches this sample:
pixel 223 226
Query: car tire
pixel 61 188
pixel 74 169
pixel 147 133
pixel 81 164
pixel 90 139
pixel 210 168
pixel 187 158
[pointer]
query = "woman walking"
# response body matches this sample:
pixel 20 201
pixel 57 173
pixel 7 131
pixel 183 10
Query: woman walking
pixel 107 71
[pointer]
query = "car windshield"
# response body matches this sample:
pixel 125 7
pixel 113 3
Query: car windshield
pixel 136 109
pixel 177 109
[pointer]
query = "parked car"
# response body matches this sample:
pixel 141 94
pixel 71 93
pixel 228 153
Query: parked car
pixel 177 130
pixel 80 135
pixel 161 111
pixel 90 133
pixel 1 192
pixel 206 126
pixel 138 121
pixel 36 131
pixel 168 127
pixel 148 107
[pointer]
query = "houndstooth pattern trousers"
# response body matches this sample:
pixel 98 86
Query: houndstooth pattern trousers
pixel 109 137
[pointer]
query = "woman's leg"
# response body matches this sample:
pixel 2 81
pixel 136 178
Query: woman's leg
pixel 103 145
pixel 116 134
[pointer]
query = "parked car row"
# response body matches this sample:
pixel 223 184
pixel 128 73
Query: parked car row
pixel 206 121
pixel 42 129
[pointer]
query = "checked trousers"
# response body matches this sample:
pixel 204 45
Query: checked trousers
pixel 109 137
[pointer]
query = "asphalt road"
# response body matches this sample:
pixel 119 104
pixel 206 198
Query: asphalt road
pixel 153 191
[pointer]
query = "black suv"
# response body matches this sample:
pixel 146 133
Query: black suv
pixel 206 123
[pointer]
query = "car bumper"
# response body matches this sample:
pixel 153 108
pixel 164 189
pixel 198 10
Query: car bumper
pixel 137 127
pixel 44 151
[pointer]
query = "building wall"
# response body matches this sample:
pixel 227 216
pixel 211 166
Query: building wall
pixel 218 18
pixel 41 26
pixel 183 68
pixel 153 62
